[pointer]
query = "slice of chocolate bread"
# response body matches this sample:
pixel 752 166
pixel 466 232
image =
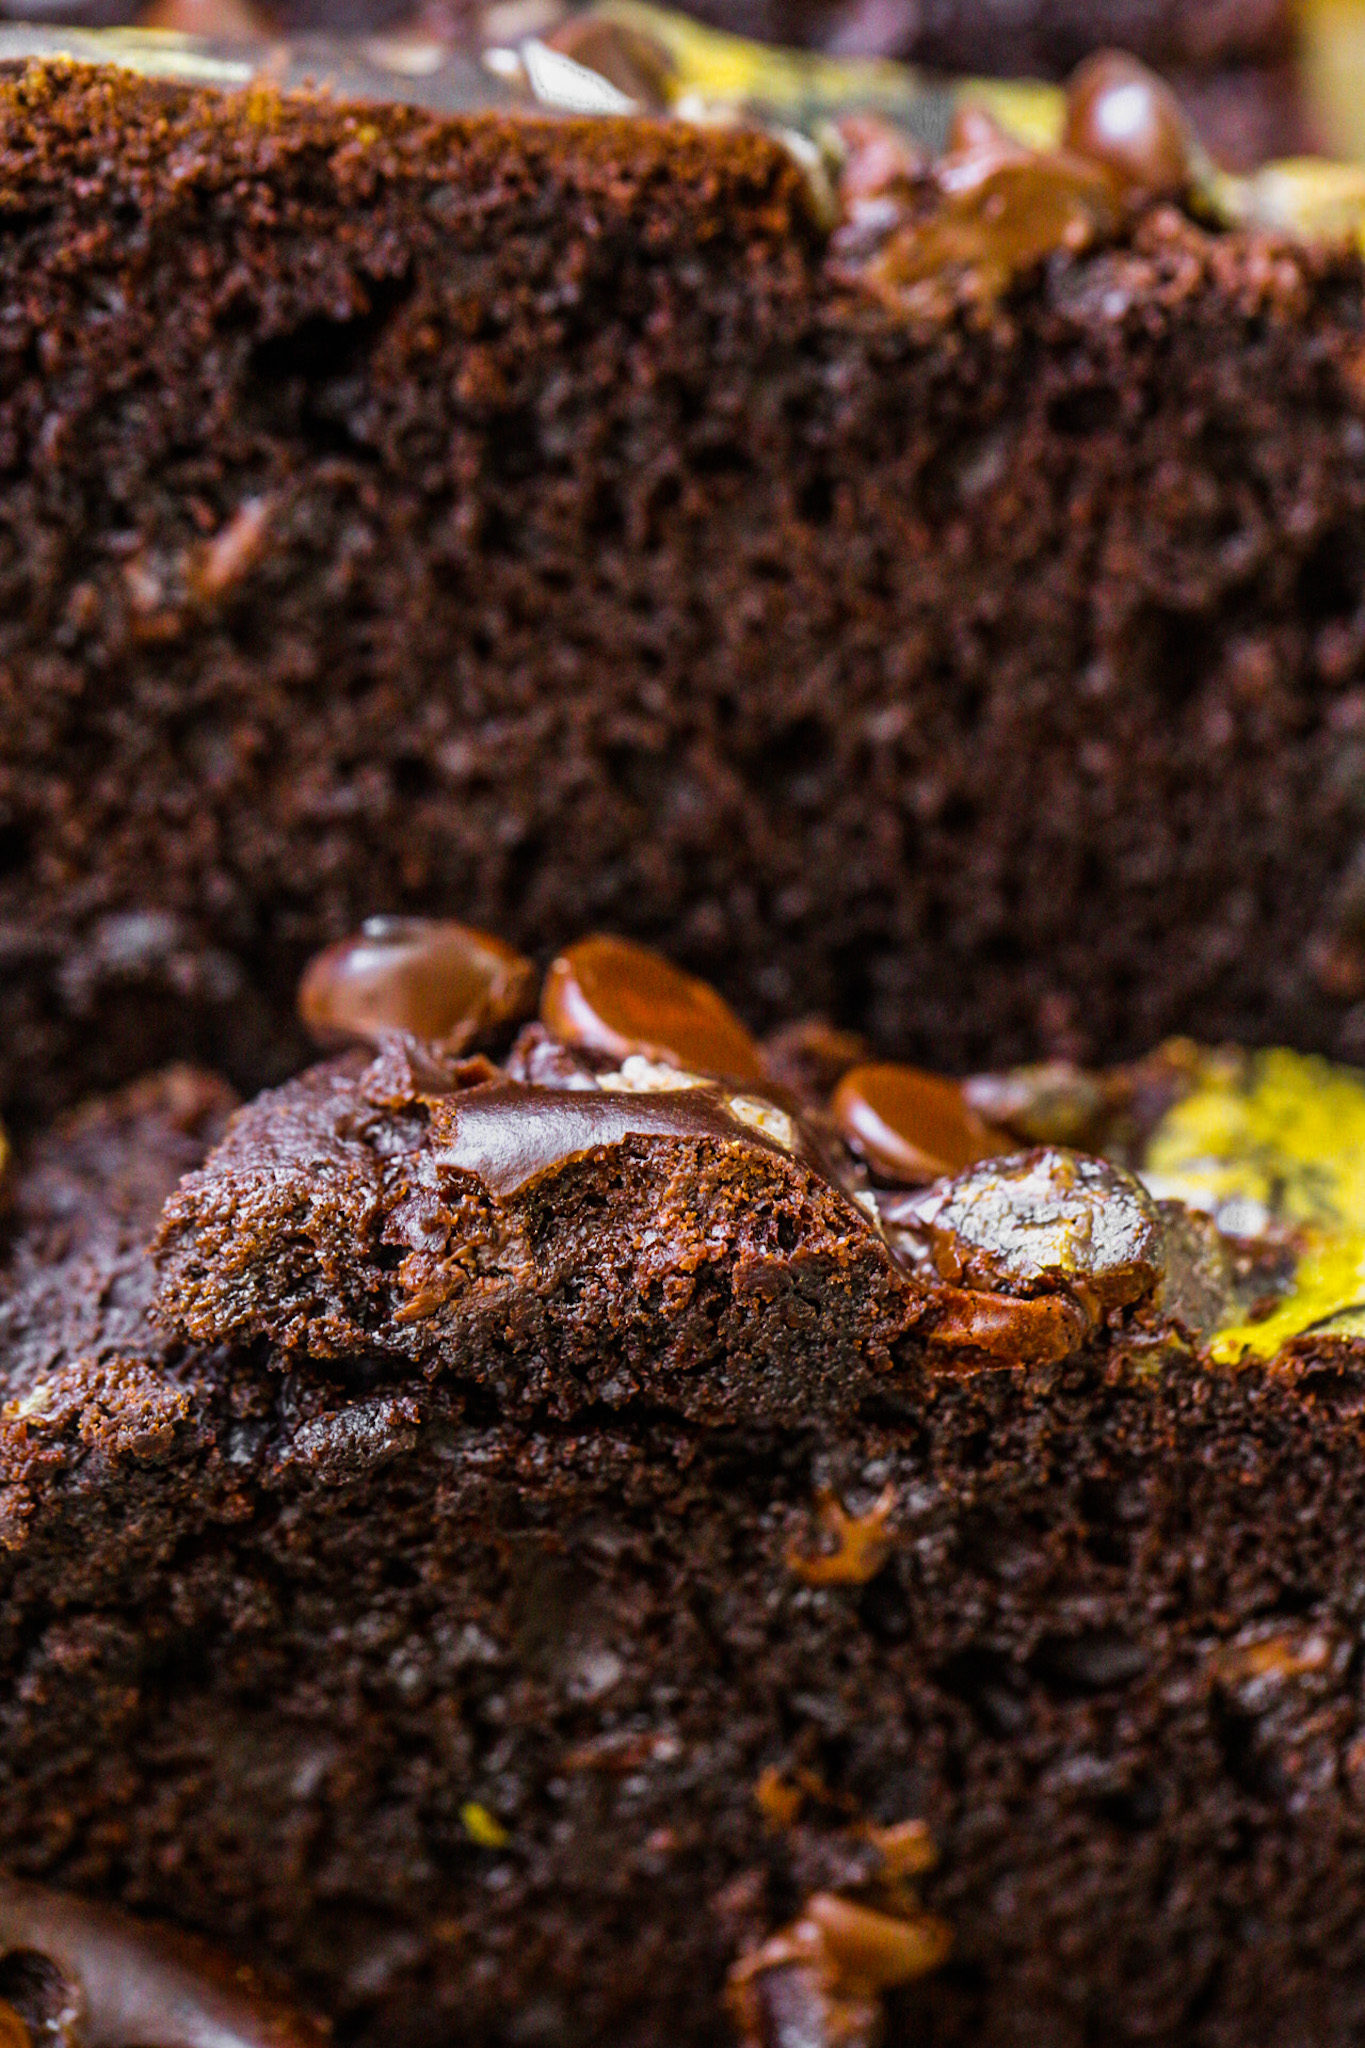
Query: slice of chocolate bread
pixel 545 521
pixel 560 1246
pixel 585 1720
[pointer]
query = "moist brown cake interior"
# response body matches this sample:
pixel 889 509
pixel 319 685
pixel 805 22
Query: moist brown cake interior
pixel 981 666
pixel 987 675
pixel 514 1726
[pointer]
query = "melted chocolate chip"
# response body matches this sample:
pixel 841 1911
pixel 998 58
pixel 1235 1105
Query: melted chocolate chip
pixel 621 999
pixel 1016 1329
pixel 96 1979
pixel 909 1126
pixel 508 1135
pixel 1120 115
pixel 1048 1222
pixel 427 976
pixel 1002 209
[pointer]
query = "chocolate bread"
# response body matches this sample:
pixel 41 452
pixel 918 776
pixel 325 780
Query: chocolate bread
pixel 522 1669
pixel 544 521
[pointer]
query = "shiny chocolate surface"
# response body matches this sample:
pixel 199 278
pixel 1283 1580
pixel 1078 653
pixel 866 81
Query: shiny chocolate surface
pixel 1121 115
pixel 509 1135
pixel 911 1126
pixel 619 998
pixel 428 976
pixel 98 1979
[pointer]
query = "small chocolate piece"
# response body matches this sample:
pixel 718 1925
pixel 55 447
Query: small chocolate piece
pixel 637 64
pixel 1199 1291
pixel 620 998
pixel 818 1983
pixel 428 976
pixel 1120 115
pixel 861 1544
pixel 1016 1329
pixel 1048 1222
pixel 1002 210
pixel 911 1127
pixel 87 1977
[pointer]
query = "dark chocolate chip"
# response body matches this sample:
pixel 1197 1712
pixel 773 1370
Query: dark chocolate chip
pixel 1121 115
pixel 124 1985
pixel 1002 210
pixel 910 1126
pixel 1016 1329
pixel 427 976
pixel 621 999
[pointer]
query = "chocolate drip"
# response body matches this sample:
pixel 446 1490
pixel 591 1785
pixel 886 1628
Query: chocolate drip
pixel 509 1135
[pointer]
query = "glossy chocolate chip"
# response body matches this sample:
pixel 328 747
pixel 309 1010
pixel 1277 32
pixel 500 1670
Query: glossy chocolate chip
pixel 1120 115
pixel 1002 209
pixel 427 976
pixel 619 998
pixel 1014 1329
pixel 1044 1222
pixel 82 1976
pixel 910 1126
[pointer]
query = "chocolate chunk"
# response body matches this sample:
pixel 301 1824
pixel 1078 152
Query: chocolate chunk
pixel 1199 1291
pixel 1002 210
pixel 818 1982
pixel 1016 1329
pixel 910 1126
pixel 427 976
pixel 82 1976
pixel 1048 1222
pixel 1120 115
pixel 620 998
